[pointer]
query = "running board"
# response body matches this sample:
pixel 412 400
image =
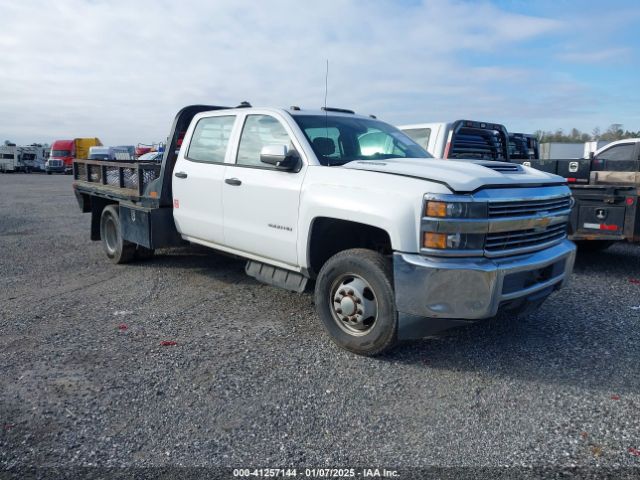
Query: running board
pixel 275 276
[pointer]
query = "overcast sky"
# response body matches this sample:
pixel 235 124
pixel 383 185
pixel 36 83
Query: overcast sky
pixel 120 70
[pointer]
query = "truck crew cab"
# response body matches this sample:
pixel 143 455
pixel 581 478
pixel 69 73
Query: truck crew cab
pixel 400 245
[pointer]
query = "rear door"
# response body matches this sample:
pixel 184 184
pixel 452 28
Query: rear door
pixel 198 179
pixel 261 202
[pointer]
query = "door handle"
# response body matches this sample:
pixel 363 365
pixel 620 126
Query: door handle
pixel 181 174
pixel 233 181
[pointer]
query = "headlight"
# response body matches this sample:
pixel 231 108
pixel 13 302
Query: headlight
pixel 442 209
pixel 453 225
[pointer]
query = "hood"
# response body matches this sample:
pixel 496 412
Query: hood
pixel 460 175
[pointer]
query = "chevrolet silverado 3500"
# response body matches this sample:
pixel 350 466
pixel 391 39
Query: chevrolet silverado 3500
pixel 400 245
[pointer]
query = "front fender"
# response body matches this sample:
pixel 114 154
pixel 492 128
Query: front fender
pixel 390 202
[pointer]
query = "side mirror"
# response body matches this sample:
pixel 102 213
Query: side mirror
pixel 280 157
pixel 591 155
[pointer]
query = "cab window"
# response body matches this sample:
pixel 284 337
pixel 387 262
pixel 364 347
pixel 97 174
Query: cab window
pixel 419 135
pixel 619 158
pixel 210 139
pixel 258 132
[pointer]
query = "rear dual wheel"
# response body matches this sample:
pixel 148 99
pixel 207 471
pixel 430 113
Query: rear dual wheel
pixel 117 248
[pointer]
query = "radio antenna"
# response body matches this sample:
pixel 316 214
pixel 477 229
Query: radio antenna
pixel 326 85
pixel 326 89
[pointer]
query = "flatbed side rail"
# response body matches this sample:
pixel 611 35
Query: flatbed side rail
pixel 130 178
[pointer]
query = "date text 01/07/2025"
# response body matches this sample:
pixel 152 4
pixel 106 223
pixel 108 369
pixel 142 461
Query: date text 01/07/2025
pixel 316 472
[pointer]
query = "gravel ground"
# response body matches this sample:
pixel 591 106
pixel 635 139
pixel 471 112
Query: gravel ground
pixel 254 381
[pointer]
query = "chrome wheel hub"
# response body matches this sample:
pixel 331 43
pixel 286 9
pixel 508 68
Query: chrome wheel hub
pixel 353 304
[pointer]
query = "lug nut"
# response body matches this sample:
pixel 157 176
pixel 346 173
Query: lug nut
pixel 359 312
pixel 342 292
pixel 339 310
pixel 350 292
pixel 358 300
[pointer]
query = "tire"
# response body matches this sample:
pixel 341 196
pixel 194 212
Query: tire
pixel 594 245
pixel 117 249
pixel 48 173
pixel 359 280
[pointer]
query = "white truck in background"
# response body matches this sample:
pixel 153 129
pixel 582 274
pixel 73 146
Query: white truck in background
pixel 461 139
pixel 590 148
pixel 400 245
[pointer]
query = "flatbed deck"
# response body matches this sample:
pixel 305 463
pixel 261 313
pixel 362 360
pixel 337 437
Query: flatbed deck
pixel 115 180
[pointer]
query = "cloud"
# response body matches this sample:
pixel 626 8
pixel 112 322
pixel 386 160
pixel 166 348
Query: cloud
pixel 120 70
pixel 597 56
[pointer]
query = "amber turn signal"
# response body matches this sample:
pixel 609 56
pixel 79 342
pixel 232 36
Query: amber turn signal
pixel 434 240
pixel 436 209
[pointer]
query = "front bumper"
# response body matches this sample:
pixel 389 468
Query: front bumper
pixel 433 294
pixel 56 169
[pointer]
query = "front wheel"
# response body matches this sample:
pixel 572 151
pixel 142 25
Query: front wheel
pixel 355 301
pixel 117 248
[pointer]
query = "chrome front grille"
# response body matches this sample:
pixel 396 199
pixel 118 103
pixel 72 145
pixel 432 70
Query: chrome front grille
pixel 524 239
pixel 529 208
pixel 497 222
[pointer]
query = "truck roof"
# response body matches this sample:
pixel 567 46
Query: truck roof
pixel 298 111
pixel 58 143
pixel 464 123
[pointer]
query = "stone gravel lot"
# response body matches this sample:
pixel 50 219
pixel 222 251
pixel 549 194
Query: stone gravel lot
pixel 253 380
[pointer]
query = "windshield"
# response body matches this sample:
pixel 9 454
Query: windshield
pixel 61 153
pixel 339 140
pixel 99 156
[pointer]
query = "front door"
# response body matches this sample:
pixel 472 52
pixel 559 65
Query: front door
pixel 622 157
pixel 261 202
pixel 198 179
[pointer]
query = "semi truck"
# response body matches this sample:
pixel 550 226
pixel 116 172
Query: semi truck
pixel 398 244
pixel 63 153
